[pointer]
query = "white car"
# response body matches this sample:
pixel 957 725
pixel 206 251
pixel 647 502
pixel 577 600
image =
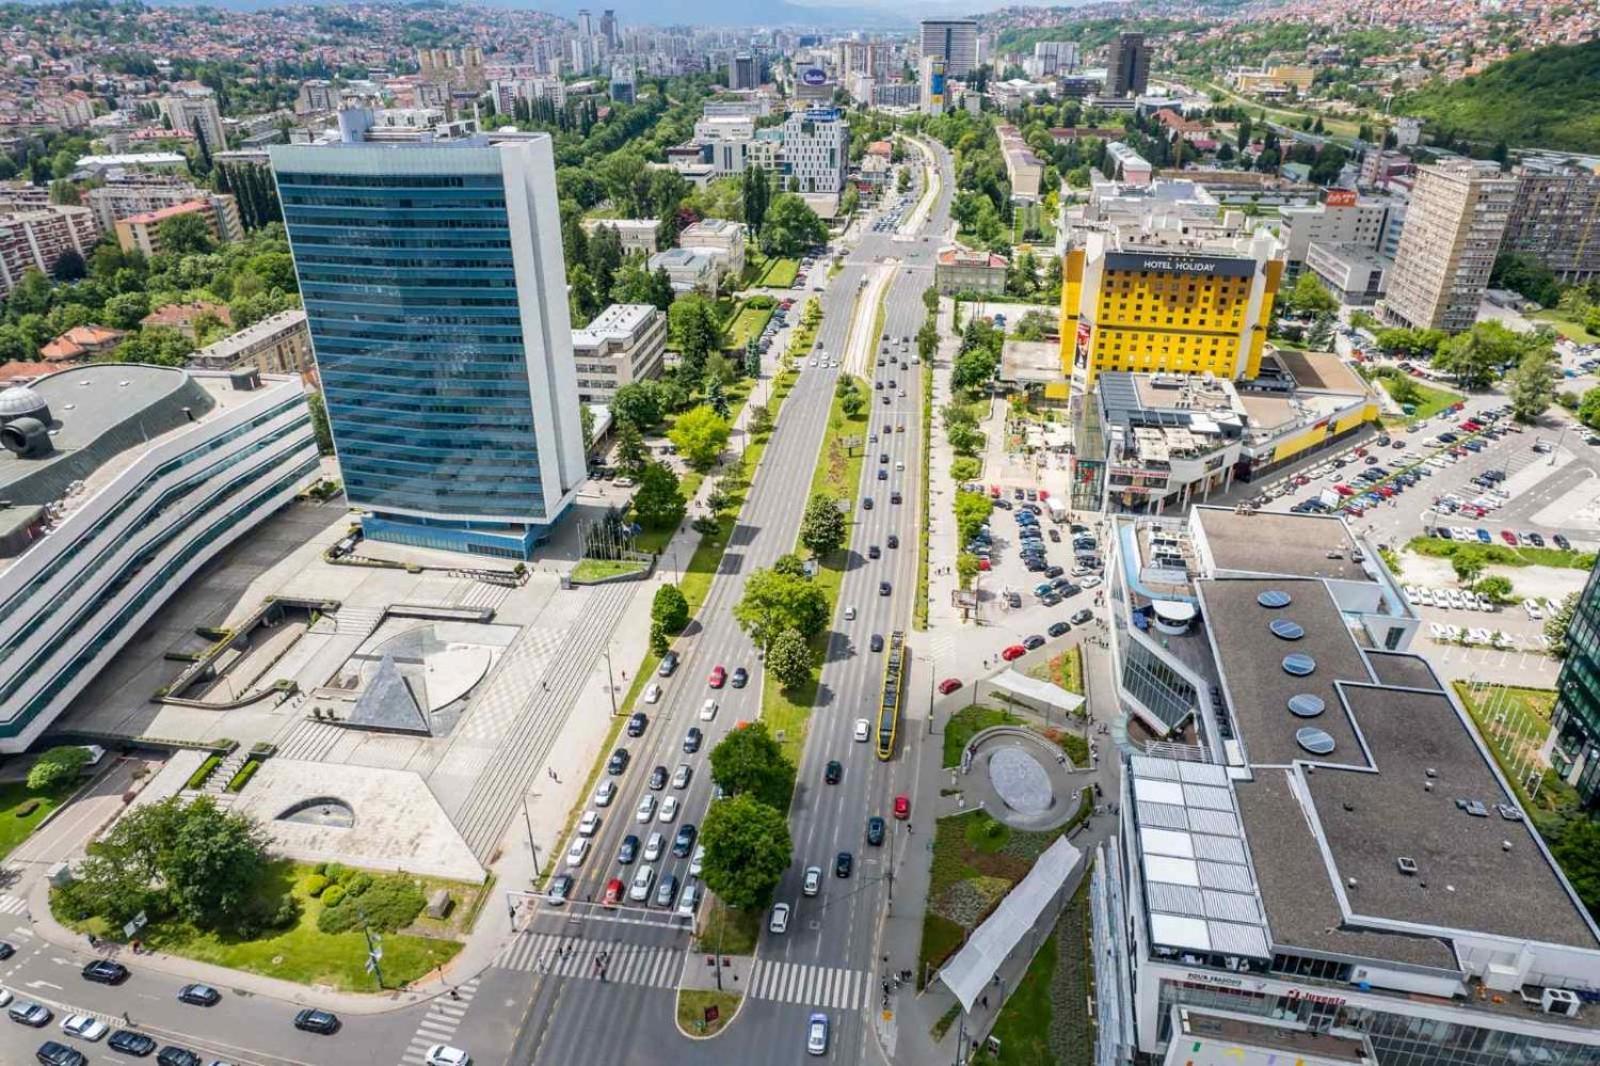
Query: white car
pixel 445 1055
pixel 817 1035
pixel 850 614
pixel 6 997
pixel 578 852
pixel 647 808
pixel 652 693
pixel 697 863
pixel 1410 592
pixel 653 846
pixel 779 922
pixel 589 824
pixel 689 901
pixel 605 792
pixel 708 710
pixel 863 730
pixel 643 878
pixel 669 809
pixel 1089 582
pixel 813 881
pixel 1534 613
pixel 84 1027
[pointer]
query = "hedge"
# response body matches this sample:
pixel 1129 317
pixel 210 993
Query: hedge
pixel 198 778
pixel 246 772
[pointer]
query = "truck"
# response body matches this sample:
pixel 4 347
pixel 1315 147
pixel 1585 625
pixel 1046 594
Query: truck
pixel 1058 510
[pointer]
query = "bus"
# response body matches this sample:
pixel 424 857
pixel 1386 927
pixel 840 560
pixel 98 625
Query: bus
pixel 894 682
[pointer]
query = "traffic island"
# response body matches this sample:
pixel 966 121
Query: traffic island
pixel 705 1012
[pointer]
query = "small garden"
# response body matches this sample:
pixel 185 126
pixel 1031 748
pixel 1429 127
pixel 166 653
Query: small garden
pixel 1046 1018
pixel 1426 400
pixel 602 569
pixel 692 1004
pixel 778 273
pixel 24 804
pixel 1501 554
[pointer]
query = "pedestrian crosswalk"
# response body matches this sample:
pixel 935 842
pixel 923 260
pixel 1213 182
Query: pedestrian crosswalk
pixel 817 986
pixel 12 904
pixel 629 964
pixel 439 1025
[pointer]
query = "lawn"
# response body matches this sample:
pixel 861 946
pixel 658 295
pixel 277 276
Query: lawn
pixel 968 723
pixel 15 827
pixel 919 610
pixel 1499 554
pixel 728 931
pixel 1566 325
pixel 1065 670
pixel 779 273
pixel 302 954
pixel 748 323
pixel 1515 721
pixel 1430 400
pixel 1046 1018
pixel 692 1004
pixel 598 569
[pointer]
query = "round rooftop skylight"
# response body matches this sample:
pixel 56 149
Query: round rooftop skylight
pixel 1305 705
pixel 1287 629
pixel 1314 740
pixel 1299 665
pixel 1274 598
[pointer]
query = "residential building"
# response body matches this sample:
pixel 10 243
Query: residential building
pixel 744 71
pixel 37 239
pixel 120 481
pixel 816 149
pixel 964 270
pixel 897 94
pixel 1023 168
pixel 98 166
pixel 931 85
pixel 139 195
pixel 1454 223
pixel 1342 217
pixel 1575 724
pixel 1149 297
pixel 81 343
pixel 953 40
pixel 1355 274
pixel 278 344
pixel 719 235
pixel 1379 168
pixel 441 336
pixel 1126 164
pixel 1321 844
pixel 193 109
pixel 142 232
pixel 1555 219
pixel 184 317
pixel 1128 66
pixel 1053 57
pixel 1407 132
pixel 316 95
pixel 18 195
pixel 690 269
pixel 625 343
pixel 72 110
pixel 638 234
pixel 622 86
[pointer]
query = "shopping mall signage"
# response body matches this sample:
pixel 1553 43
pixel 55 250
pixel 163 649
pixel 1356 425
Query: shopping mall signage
pixel 1181 264
pixel 814 76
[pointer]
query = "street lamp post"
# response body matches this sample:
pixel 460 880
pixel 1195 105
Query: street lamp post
pixel 532 847
pixel 611 684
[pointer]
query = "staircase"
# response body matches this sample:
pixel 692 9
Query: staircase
pixel 216 785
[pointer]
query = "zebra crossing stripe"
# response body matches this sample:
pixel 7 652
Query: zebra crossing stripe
pixel 803 983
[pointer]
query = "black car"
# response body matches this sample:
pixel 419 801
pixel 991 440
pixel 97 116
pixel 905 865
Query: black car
pixel 173 1055
pixel 1004 505
pixel 51 1053
pixel 843 863
pixel 1058 629
pixel 1081 617
pixel 1033 641
pixel 1538 539
pixel 312 1020
pixel 1562 542
pixel 834 772
pixel 628 850
pixel 875 831
pixel 895 497
pixel 1055 536
pixel 683 841
pixel 131 1043
pixel 658 779
pixel 692 739
pixel 199 995
pixel 884 588
pixel 669 663
pixel 6 950
pixel 105 972
pixel 637 722
pixel 618 762
pixel 866 503
pixel 1014 599
pixel 740 678
pixel 894 540
pixel 874 552
pixel 1051 598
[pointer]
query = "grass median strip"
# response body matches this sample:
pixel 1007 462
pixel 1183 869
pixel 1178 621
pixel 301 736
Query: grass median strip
pixel 919 612
pixel 692 1004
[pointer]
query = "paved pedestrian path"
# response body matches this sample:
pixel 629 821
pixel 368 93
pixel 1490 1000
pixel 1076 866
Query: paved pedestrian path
pixel 833 987
pixel 439 1025
pixel 651 965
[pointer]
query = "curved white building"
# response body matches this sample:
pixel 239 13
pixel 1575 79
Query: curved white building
pixel 117 482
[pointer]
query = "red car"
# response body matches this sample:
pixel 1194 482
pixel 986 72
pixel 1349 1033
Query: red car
pixel 949 685
pixel 1509 537
pixel 1013 653
pixel 902 807
pixel 994 492
pixel 1044 494
pixel 983 564
pixel 613 894
pixel 1344 490
pixel 719 677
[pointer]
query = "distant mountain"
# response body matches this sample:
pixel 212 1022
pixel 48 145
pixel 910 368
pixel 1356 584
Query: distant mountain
pixel 830 14
pixel 1547 98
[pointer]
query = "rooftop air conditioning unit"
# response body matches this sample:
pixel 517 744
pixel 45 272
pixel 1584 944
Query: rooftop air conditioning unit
pixel 1559 1001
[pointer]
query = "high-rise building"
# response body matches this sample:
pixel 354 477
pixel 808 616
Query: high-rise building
pixel 1128 68
pixel 1576 721
pixel 194 110
pixel 1556 220
pixel 816 149
pixel 1341 218
pixel 1456 217
pixel 440 332
pixel 37 239
pixel 953 40
pixel 931 85
pixel 1147 298
pixel 744 71
pixel 608 27
pixel 585 23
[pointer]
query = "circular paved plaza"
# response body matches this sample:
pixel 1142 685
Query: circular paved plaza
pixel 1021 779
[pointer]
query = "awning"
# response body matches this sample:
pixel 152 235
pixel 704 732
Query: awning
pixel 975 965
pixel 1031 688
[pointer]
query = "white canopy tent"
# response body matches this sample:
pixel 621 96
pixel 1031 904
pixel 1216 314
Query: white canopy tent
pixel 975 965
pixel 1021 685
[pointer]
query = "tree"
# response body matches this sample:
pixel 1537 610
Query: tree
pixel 761 418
pixel 716 398
pixel 605 259
pixel 790 659
pixel 632 453
pixel 215 864
pixel 186 234
pixel 967 568
pixel 1577 848
pixel 1521 273
pixel 972 511
pixel 320 427
pixel 749 762
pixel 1468 564
pixel 56 767
pixel 158 346
pixel 789 564
pixel 638 403
pixel 700 435
pixel 974 369
pixel 586 422
pixel 669 609
pixel 1589 408
pixel 1555 627
pixel 773 602
pixel 823 528
pixel 748 849
pixel 659 641
pixel 1470 359
pixel 791 227
pixel 69 266
pixel 692 323
pixel 659 502
pixel 1496 588
pixel 1533 384
pixel 1308 297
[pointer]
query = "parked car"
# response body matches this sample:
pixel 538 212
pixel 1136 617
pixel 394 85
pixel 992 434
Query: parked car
pixel 312 1020
pixel 949 685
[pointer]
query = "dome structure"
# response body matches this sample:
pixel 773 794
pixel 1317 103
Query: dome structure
pixel 19 401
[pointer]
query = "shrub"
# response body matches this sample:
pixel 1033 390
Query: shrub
pixel 331 895
pixel 761 302
pixel 313 884
pixel 198 778
pixel 56 767
pixel 246 772
pixel 28 808
pixel 356 882
pixel 334 872
pixel 965 468
pixel 388 903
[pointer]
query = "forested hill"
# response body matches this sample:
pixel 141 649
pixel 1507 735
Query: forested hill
pixel 1547 98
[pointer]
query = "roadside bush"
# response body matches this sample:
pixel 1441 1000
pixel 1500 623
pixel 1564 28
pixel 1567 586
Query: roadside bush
pixel 264 916
pixel 313 884
pixel 965 468
pixel 356 882
pixel 198 778
pixel 56 767
pixel 242 778
pixel 388 903
pixel 761 302
pixel 331 896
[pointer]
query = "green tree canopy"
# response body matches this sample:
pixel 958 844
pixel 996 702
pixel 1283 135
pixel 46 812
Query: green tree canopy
pixel 1533 384
pixel 823 528
pixel 658 503
pixel 790 659
pixel 185 234
pixel 639 403
pixel 791 226
pixel 773 602
pixel 670 609
pixel 700 434
pixel 747 850
pixel 56 767
pixel 749 762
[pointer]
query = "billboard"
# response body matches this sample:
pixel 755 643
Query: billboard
pixel 1340 198
pixel 813 76
pixel 936 84
pixel 1179 263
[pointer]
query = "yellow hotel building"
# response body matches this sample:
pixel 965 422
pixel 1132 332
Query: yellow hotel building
pixel 1174 307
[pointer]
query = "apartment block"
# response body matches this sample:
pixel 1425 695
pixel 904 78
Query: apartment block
pixel 279 344
pixel 1128 66
pixel 194 110
pixel 1556 220
pixel 1342 217
pixel 37 239
pixel 624 343
pixel 953 40
pixel 816 149
pixel 119 200
pixel 142 232
pixel 1454 224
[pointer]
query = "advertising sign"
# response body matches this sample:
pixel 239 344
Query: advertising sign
pixel 936 83
pixel 1340 198
pixel 1179 263
pixel 814 76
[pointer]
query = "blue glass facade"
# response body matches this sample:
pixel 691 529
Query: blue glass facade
pixel 406 264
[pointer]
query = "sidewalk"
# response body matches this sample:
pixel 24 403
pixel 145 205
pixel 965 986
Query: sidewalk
pixel 942 545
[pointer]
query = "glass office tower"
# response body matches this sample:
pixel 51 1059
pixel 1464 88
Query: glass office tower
pixel 436 295
pixel 1576 754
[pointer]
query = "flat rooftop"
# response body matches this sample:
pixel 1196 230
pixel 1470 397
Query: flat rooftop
pixel 1319 1047
pixel 1294 545
pixel 1320 370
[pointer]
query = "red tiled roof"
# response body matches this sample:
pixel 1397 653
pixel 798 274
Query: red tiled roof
pixel 162 214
